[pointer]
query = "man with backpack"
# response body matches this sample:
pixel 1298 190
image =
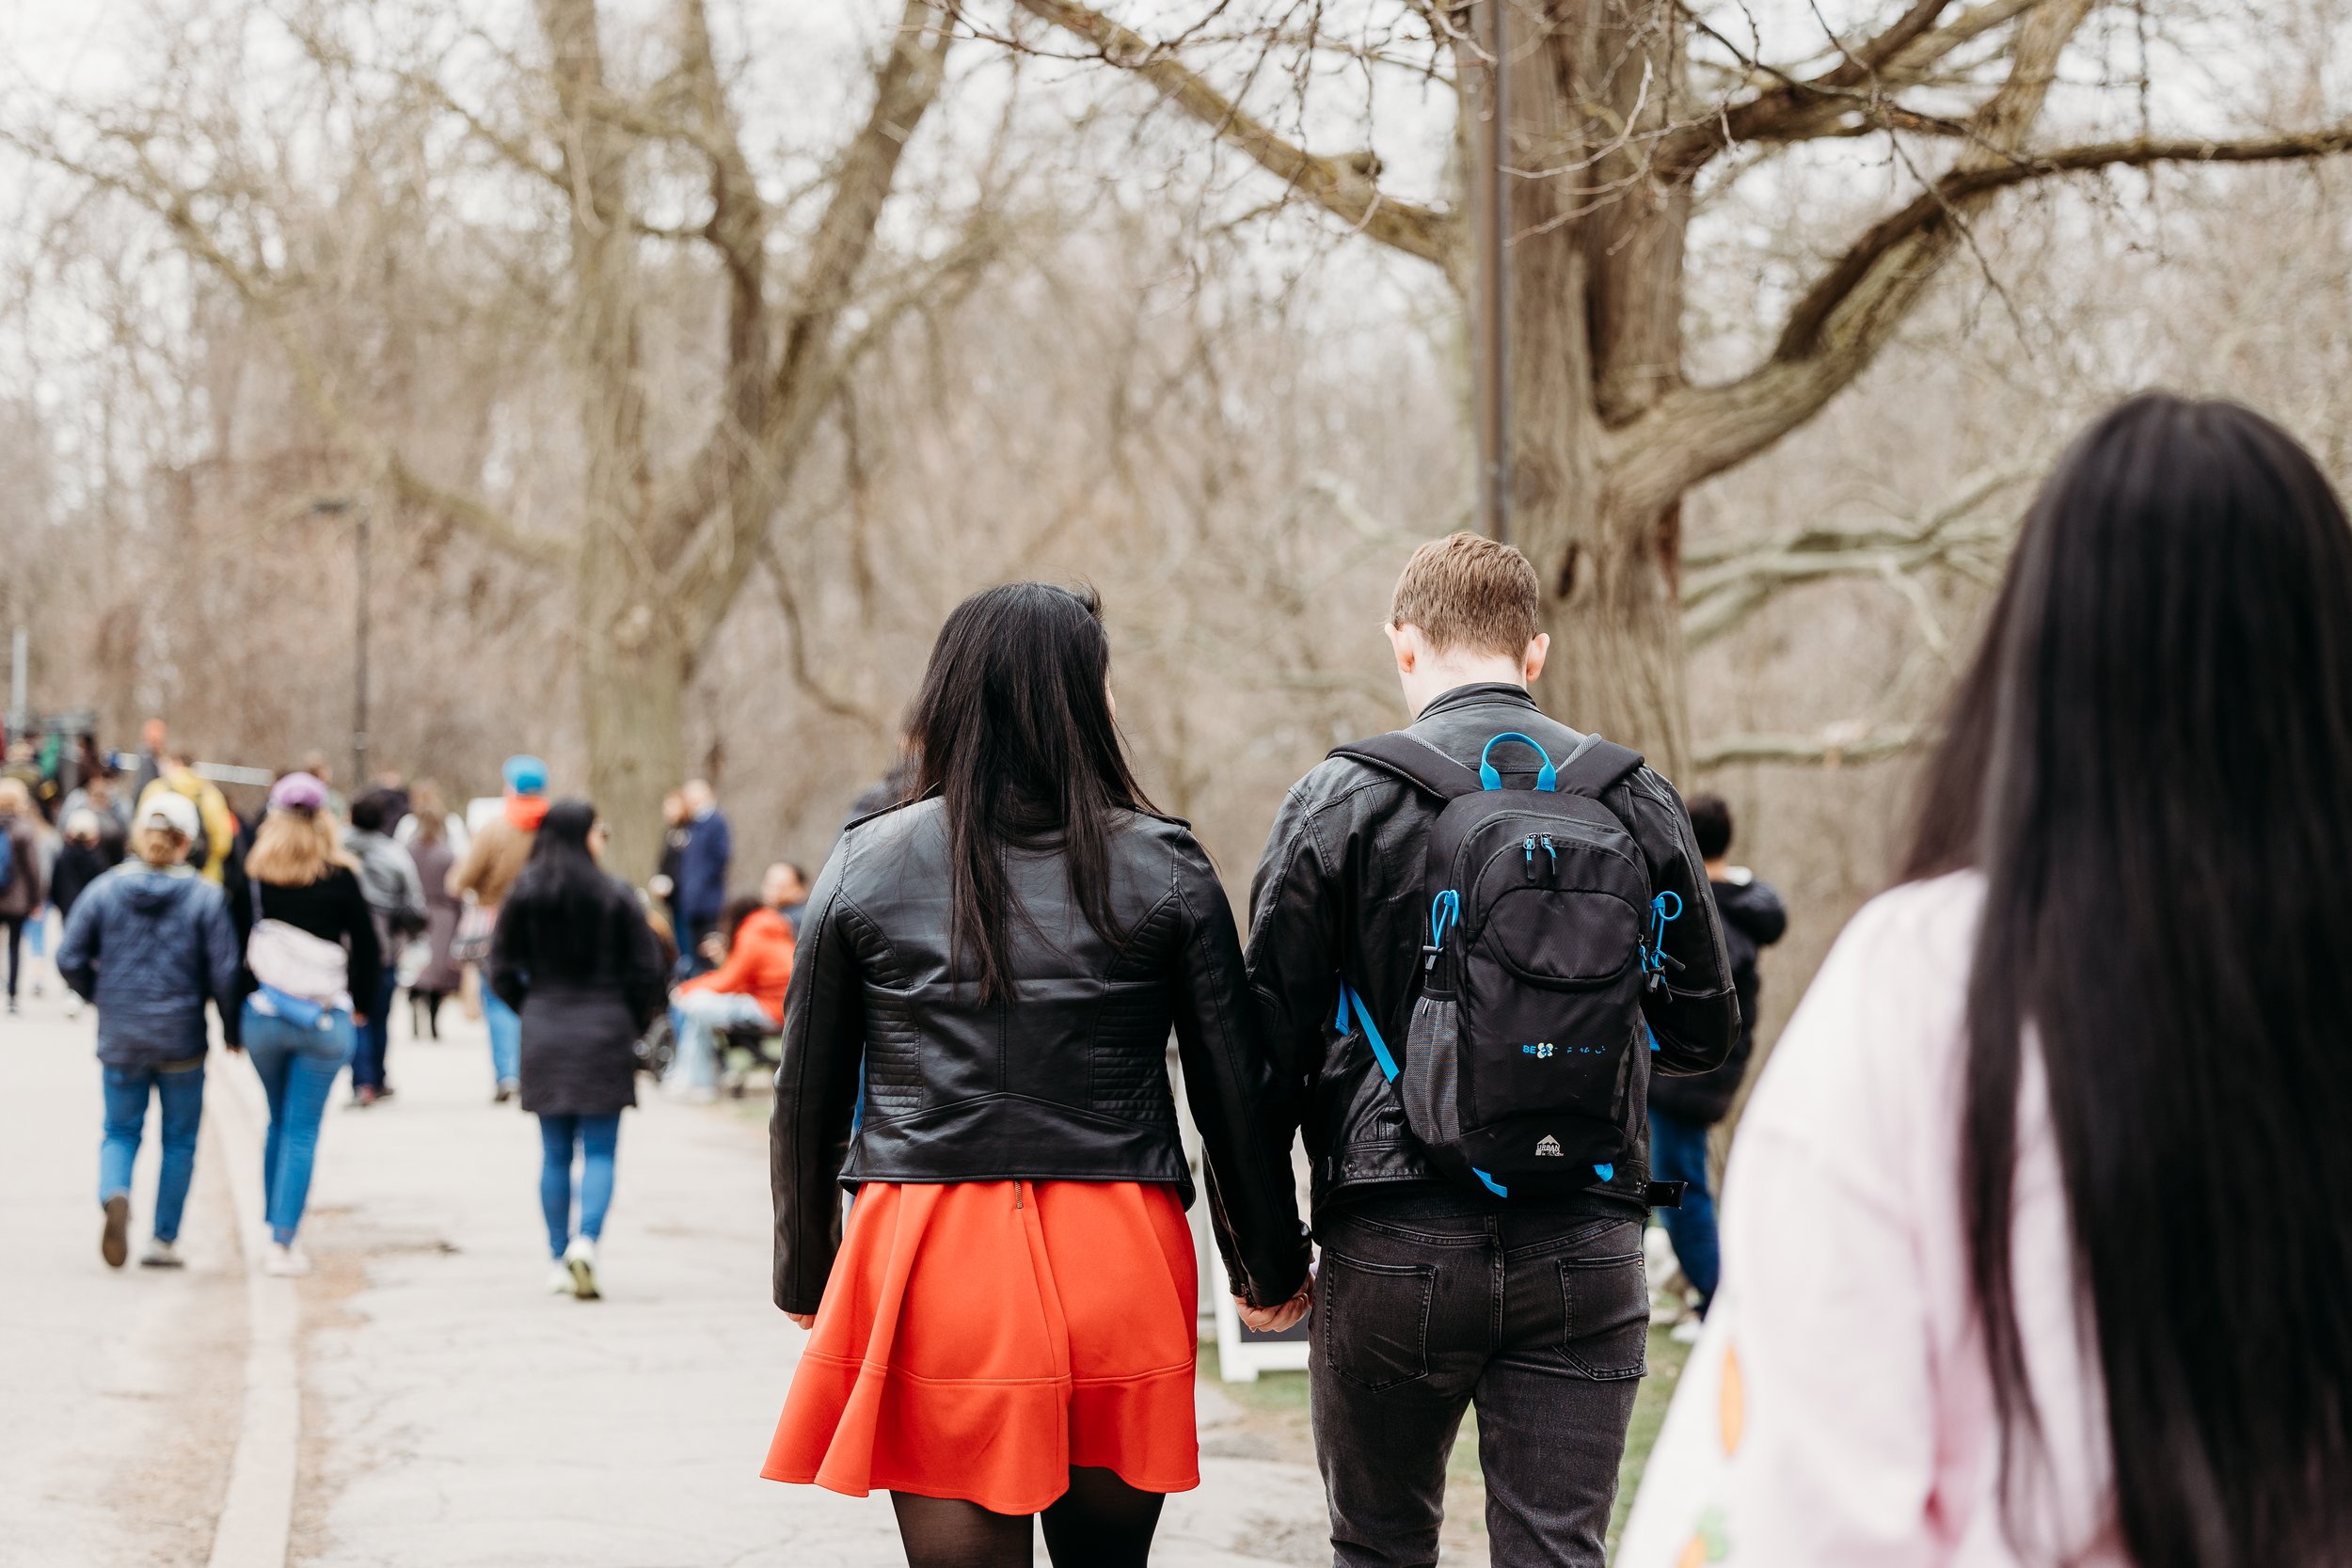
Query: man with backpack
pixel 1473 942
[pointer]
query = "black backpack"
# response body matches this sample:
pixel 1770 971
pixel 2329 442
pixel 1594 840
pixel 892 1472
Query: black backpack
pixel 1520 1065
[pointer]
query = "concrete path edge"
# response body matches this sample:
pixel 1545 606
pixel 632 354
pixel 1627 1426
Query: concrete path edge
pixel 257 1510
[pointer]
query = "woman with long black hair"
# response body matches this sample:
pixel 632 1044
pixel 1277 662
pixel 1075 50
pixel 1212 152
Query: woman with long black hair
pixel 573 955
pixel 974 1043
pixel 2038 1249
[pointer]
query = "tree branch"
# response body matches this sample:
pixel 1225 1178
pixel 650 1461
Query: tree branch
pixel 1721 592
pixel 1850 312
pixel 1794 108
pixel 796 647
pixel 1834 747
pixel 1964 187
pixel 743 467
pixel 175 209
pixel 1342 187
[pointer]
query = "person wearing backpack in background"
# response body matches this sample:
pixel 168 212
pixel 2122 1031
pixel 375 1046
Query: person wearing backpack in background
pixel 1681 1110
pixel 149 942
pixel 395 895
pixel 1481 1215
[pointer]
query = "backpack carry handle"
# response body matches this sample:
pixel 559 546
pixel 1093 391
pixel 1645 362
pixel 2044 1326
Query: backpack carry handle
pixel 1548 779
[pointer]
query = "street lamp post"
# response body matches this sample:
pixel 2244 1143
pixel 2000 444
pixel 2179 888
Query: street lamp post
pixel 335 507
pixel 1490 221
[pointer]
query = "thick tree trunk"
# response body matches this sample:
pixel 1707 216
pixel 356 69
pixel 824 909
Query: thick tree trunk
pixel 633 681
pixel 1596 335
pixel 1616 663
pixel 633 658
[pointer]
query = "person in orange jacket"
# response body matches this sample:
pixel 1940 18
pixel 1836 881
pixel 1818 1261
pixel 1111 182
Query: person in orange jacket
pixel 745 992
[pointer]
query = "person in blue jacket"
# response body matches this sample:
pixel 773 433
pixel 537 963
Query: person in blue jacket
pixel 150 942
pixel 701 873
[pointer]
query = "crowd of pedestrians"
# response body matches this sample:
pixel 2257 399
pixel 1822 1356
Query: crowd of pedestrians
pixel 2031 1246
pixel 303 927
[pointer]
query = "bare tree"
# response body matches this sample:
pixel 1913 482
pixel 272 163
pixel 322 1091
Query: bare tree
pixel 1624 114
pixel 666 529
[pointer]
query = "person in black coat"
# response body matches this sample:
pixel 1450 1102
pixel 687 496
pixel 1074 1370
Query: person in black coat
pixel 573 955
pixel 1682 1109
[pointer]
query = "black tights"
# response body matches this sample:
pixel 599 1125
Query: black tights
pixel 1100 1521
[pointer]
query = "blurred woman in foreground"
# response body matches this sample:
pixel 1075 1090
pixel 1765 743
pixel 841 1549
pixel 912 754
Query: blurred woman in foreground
pixel 2038 1248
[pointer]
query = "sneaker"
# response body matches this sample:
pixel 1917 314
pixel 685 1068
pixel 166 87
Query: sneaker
pixel 161 1254
pixel 506 1091
pixel 580 1258
pixel 285 1261
pixel 73 1006
pixel 1687 1332
pixel 363 1096
pixel 560 1281
pixel 115 1246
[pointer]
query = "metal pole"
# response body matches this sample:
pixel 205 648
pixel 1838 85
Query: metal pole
pixel 1490 218
pixel 20 675
pixel 359 691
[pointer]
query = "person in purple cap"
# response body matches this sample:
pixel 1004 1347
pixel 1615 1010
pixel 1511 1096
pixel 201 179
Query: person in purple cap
pixel 309 948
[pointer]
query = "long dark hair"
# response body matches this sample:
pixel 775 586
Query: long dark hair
pixel 1013 730
pixel 564 897
pixel 2151 763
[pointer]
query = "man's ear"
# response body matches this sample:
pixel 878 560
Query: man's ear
pixel 1531 662
pixel 1406 641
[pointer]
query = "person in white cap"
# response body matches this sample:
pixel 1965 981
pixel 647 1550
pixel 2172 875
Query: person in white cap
pixel 150 942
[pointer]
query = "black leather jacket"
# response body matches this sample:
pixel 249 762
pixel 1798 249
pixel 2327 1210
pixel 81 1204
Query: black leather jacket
pixel 1340 892
pixel 1067 1081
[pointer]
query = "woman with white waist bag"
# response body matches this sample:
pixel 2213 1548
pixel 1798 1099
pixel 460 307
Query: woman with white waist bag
pixel 310 947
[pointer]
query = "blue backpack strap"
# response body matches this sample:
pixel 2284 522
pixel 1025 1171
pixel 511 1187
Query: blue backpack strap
pixel 1351 998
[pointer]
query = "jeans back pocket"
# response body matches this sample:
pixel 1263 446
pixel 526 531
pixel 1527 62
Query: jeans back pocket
pixel 1374 1318
pixel 1607 1304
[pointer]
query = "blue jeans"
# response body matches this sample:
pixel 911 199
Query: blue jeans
pixel 375 1035
pixel 595 1137
pixel 698 1017
pixel 506 1036
pixel 1677 1153
pixel 179 1091
pixel 297 1067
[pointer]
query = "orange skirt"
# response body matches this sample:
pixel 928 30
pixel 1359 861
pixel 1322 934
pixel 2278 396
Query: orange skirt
pixel 978 1338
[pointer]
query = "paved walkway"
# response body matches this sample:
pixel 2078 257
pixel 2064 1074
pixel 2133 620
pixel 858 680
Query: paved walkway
pixel 451 1414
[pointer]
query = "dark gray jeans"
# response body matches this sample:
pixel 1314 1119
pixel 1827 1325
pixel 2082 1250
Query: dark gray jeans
pixel 1428 1303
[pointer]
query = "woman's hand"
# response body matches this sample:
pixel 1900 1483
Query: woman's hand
pixel 1274 1320
pixel 802 1320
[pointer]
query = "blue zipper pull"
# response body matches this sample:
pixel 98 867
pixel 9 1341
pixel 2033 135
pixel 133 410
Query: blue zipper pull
pixel 1554 854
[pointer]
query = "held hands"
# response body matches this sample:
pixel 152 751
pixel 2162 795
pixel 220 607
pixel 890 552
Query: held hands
pixel 1273 1320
